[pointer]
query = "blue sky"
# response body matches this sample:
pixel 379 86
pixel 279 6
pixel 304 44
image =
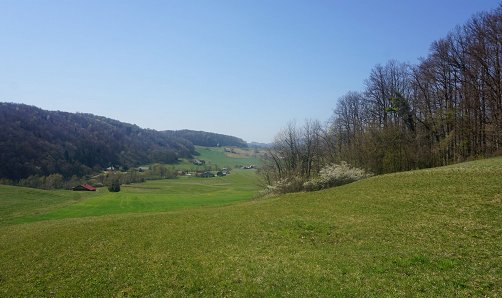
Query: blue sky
pixel 244 68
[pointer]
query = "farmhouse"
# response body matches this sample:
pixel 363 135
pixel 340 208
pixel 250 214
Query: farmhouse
pixel 142 169
pixel 206 174
pixel 198 162
pixel 84 187
pixel 229 150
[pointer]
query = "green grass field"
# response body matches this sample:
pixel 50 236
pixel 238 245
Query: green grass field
pixel 17 204
pixel 26 205
pixel 217 157
pixel 423 233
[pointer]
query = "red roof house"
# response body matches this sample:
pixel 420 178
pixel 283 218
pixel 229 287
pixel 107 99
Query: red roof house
pixel 84 187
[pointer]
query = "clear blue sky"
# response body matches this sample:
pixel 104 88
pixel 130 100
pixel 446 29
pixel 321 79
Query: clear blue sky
pixel 243 68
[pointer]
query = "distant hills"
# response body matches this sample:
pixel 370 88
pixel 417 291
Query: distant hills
pixel 259 145
pixel 39 142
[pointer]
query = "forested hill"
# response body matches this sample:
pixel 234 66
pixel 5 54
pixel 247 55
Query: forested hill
pixel 39 142
pixel 208 139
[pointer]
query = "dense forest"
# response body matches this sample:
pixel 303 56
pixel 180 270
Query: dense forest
pixel 445 109
pixel 38 142
pixel 207 139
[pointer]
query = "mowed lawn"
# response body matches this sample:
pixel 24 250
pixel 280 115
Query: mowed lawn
pixel 429 233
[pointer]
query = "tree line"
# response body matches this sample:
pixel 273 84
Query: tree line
pixel 106 178
pixel 446 108
pixel 207 139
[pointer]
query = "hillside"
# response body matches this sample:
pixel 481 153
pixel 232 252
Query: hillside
pixel 38 142
pixel 424 233
pixel 207 139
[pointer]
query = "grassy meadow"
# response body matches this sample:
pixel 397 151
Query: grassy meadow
pixel 18 204
pixel 22 205
pixel 435 232
pixel 217 157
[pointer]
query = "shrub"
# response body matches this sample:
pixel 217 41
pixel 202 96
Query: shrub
pixel 335 175
pixel 287 185
pixel 115 186
pixel 329 176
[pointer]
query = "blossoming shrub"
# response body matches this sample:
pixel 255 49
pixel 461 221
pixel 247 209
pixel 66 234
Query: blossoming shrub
pixel 287 185
pixel 329 176
pixel 335 175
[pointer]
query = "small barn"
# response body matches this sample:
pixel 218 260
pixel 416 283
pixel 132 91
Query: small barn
pixel 84 187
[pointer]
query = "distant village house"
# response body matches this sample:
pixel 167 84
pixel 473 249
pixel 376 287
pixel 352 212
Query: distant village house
pixel 206 174
pixel 142 169
pixel 84 187
pixel 198 162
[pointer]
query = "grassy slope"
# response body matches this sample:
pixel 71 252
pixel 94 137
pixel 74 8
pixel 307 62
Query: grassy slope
pixel 19 203
pixel 427 233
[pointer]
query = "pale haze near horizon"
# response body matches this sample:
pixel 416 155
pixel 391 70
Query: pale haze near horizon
pixel 243 68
